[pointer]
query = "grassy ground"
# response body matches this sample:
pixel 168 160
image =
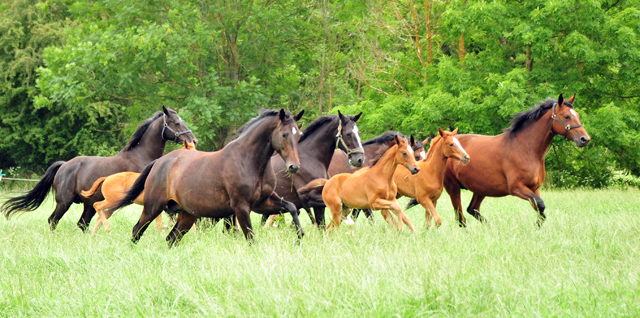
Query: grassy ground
pixel 585 261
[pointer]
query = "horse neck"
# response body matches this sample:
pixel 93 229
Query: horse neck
pixel 535 139
pixel 386 166
pixel 255 146
pixel 321 143
pixel 151 145
pixel 436 164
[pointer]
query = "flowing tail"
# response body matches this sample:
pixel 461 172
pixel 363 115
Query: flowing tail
pixel 34 198
pixel 134 191
pixel 412 203
pixel 314 184
pixel 93 189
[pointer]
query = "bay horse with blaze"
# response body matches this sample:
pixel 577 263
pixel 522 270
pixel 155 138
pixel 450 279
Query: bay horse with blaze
pixel 512 163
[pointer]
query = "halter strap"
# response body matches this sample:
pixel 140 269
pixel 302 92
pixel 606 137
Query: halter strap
pixel 566 127
pixel 341 141
pixel 176 133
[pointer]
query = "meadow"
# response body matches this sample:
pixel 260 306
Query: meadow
pixel 584 261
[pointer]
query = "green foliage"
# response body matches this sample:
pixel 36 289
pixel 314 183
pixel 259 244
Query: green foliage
pixel 409 66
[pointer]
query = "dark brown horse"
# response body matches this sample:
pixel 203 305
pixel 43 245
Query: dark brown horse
pixel 373 148
pixel 218 184
pixel 70 178
pixel 512 163
pixel 315 149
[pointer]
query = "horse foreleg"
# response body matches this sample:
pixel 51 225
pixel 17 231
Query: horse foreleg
pixel 474 207
pixel 98 206
pixel 159 222
pixel 380 204
pixel 183 224
pixel 430 212
pixel 524 192
pixel 242 211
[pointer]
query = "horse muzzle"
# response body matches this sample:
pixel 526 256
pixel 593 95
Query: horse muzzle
pixel 582 141
pixel 414 170
pixel 293 168
pixel 465 159
pixel 356 159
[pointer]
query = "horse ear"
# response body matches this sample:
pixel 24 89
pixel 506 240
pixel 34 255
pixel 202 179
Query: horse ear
pixel 560 100
pixel 440 132
pixel 297 117
pixel 341 117
pixel 426 141
pixel 455 132
pixel 186 144
pixel 356 117
pixel 570 100
pixel 300 125
pixel 283 115
pixel 165 111
pixel 412 141
pixel 397 139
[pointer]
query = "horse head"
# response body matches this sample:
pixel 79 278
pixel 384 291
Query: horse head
pixel 452 147
pixel 405 155
pixel 284 140
pixel 349 139
pixel 566 121
pixel 175 128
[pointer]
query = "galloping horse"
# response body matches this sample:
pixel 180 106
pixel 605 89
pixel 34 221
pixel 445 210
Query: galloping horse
pixel 512 163
pixel 372 188
pixel 69 178
pixel 114 188
pixel 426 186
pixel 315 149
pixel 373 148
pixel 233 180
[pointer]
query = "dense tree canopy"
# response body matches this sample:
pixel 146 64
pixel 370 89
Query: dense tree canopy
pixel 78 75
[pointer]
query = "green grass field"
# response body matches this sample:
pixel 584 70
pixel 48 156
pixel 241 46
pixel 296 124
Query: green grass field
pixel 584 261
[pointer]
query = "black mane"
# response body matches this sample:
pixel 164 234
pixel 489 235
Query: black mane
pixel 315 125
pixel 522 119
pixel 264 113
pixel 142 128
pixel 384 138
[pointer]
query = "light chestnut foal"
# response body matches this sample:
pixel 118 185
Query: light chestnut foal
pixel 426 186
pixel 371 188
pixel 114 188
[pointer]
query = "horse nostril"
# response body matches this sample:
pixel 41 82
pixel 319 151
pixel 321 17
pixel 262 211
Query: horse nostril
pixel 293 168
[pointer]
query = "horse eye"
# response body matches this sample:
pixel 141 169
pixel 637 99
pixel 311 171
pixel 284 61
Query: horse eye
pixel 566 117
pixel 451 145
pixel 349 135
pixel 285 135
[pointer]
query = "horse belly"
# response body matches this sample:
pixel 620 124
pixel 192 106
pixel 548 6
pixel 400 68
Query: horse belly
pixel 353 194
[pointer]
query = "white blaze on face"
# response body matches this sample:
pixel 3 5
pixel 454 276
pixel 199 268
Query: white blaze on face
pixel 293 130
pixel 423 154
pixel 573 112
pixel 356 132
pixel 409 150
pixel 455 140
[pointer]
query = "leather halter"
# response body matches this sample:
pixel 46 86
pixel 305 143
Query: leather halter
pixel 341 141
pixel 566 127
pixel 176 133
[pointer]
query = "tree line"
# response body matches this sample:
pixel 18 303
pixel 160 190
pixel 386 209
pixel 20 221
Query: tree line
pixel 76 76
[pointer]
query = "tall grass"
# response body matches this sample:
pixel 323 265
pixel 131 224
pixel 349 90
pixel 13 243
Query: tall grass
pixel 584 261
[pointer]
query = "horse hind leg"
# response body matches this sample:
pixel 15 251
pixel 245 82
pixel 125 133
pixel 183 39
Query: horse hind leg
pixel 62 206
pixel 184 223
pixel 149 213
pixel 102 219
pixel 452 185
pixel 474 207
pixel 86 217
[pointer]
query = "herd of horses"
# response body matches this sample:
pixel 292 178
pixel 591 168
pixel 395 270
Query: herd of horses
pixel 326 165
